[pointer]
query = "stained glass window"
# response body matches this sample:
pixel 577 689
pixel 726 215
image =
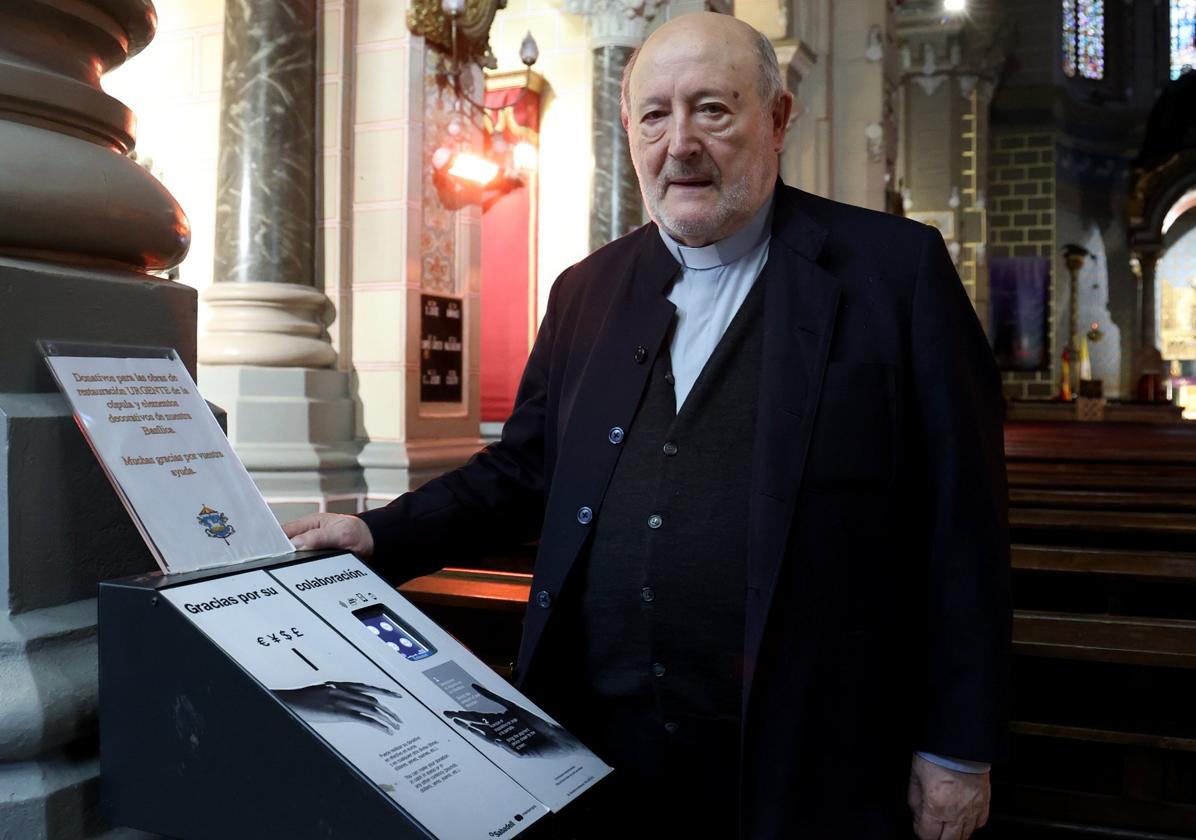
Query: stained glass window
pixel 1183 36
pixel 1084 38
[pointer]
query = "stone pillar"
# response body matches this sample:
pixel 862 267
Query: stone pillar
pixel 616 28
pixel 615 203
pixel 1147 361
pixel 81 227
pixel 862 79
pixel 1148 260
pixel 268 311
pixel 947 68
pixel 805 57
pixel 792 32
pixel 266 356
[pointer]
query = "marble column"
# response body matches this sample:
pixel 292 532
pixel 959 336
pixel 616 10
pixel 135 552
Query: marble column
pixel 615 28
pixel 266 309
pixel 615 203
pixel 81 228
pixel 265 355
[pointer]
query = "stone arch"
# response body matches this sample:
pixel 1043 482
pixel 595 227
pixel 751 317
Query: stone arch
pixel 1164 177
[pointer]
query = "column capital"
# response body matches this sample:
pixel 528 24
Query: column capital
pixel 796 60
pixel 617 23
pixel 1147 253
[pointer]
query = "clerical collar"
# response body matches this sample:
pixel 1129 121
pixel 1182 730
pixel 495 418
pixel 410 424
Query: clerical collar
pixel 727 250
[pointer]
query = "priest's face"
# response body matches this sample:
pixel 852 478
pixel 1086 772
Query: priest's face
pixel 703 140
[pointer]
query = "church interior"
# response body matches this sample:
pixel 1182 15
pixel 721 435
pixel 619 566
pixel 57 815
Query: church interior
pixel 346 216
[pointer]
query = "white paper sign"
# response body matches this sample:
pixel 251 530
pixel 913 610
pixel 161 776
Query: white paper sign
pixel 171 464
pixel 501 723
pixel 426 766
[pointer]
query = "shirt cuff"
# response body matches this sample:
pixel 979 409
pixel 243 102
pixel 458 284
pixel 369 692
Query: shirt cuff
pixel 959 765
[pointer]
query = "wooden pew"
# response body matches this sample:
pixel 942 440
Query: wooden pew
pixel 1102 518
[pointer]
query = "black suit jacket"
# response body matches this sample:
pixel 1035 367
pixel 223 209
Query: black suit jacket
pixel 877 614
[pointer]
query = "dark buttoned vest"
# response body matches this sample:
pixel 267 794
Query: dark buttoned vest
pixel 661 588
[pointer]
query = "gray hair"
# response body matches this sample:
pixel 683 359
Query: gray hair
pixel 768 82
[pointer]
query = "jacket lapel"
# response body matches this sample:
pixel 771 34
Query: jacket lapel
pixel 801 301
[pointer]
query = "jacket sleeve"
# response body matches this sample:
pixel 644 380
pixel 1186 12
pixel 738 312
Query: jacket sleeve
pixel 968 613
pixel 494 500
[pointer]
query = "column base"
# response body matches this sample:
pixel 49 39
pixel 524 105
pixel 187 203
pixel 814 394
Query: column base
pixel 57 799
pixel 51 798
pixel 48 659
pixel 293 429
pixel 49 770
pixel 267 324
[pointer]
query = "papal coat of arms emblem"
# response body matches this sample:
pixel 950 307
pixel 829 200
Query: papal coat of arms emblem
pixel 215 524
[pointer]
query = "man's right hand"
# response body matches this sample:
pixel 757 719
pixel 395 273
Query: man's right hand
pixel 331 530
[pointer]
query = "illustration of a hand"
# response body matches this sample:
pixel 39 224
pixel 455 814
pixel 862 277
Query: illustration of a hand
pixel 514 728
pixel 337 702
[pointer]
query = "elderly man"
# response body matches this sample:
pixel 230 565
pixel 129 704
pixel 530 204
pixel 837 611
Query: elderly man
pixel 760 442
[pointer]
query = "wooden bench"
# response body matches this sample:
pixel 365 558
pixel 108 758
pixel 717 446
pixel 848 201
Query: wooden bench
pixel 1102 519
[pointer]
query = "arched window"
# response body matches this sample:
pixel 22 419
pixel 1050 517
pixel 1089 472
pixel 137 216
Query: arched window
pixel 1084 38
pixel 1183 36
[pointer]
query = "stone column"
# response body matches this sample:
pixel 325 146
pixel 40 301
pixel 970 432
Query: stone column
pixel 1147 358
pixel 946 87
pixel 804 55
pixel 862 78
pixel 1148 260
pixel 615 203
pixel 266 356
pixel 81 227
pixel 269 311
pixel 616 28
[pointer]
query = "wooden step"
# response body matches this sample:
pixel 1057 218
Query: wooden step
pixel 1153 477
pixel 1100 521
pixel 1133 442
pixel 1104 638
pixel 1105 561
pixel 1103 736
pixel 1023 497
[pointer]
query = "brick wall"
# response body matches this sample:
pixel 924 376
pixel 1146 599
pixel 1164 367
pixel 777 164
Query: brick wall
pixel 1021 218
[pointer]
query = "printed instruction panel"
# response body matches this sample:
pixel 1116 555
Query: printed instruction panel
pixel 504 725
pixel 429 768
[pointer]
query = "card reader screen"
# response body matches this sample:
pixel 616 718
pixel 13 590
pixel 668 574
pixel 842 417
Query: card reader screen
pixel 394 634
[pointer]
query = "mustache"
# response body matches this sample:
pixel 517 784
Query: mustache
pixel 674 171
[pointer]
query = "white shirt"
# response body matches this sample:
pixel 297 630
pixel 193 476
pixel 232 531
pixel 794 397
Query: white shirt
pixel 714 281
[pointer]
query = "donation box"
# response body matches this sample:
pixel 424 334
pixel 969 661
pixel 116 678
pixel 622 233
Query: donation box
pixel 305 698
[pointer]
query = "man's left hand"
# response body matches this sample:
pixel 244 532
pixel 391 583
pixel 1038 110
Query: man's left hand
pixel 947 804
